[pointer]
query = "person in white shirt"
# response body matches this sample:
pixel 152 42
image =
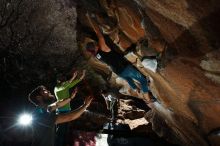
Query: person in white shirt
pixel 110 101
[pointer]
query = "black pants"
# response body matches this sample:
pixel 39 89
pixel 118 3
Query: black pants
pixel 62 134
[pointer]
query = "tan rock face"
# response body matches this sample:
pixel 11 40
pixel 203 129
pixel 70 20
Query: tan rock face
pixel 42 42
pixel 188 87
pixel 211 65
pixel 131 114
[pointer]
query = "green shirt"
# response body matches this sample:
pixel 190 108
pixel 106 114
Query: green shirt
pixel 62 92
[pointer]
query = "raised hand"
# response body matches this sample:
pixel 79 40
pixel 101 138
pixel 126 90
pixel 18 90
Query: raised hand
pixel 74 93
pixel 83 74
pixel 75 74
pixel 73 77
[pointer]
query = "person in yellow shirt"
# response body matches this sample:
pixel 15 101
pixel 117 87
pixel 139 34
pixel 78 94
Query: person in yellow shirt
pixel 62 92
pixel 62 89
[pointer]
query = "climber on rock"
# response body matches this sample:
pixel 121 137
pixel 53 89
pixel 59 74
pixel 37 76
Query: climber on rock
pixel 105 50
pixel 121 67
pixel 118 63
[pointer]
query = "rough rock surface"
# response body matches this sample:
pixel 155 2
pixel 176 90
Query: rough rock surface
pixel 188 86
pixel 38 41
pixel 132 114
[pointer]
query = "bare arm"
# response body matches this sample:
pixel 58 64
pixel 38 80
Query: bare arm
pixel 107 104
pixel 106 101
pixel 83 74
pixel 73 77
pixel 95 27
pixel 61 103
pixel 62 118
